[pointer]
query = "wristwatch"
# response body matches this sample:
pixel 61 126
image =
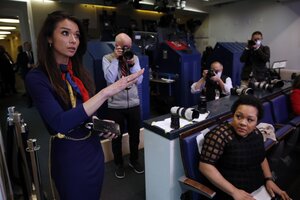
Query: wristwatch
pixel 269 179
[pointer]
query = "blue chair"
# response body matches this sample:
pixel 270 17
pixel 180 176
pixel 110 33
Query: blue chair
pixel 190 158
pixel 282 130
pixel 281 109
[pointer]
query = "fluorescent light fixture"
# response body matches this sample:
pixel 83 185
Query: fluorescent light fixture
pixel 7 27
pixel 2 37
pixel 148 12
pixel 4 32
pixel 146 3
pixel 10 20
pixel 194 10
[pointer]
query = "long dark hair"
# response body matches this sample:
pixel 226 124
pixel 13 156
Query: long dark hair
pixel 47 62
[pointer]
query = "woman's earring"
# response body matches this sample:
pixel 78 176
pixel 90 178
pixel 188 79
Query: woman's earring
pixel 50 44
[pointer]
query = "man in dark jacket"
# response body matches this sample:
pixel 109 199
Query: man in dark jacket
pixel 255 56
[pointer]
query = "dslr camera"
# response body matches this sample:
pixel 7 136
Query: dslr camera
pixel 210 73
pixel 241 91
pixel 127 53
pixel 251 43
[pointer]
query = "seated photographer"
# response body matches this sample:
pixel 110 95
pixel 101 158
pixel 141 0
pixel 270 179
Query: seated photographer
pixel 124 107
pixel 233 155
pixel 213 83
pixel 255 56
pixel 295 95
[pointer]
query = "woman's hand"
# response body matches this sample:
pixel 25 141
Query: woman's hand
pixel 123 83
pixel 242 195
pixel 273 189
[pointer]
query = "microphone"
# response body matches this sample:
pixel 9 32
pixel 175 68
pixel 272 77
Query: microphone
pixel 186 113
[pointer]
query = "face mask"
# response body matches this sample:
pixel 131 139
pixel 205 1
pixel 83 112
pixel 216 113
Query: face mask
pixel 258 42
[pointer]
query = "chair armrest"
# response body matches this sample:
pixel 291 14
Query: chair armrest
pixel 195 186
pixel 295 121
pixel 278 126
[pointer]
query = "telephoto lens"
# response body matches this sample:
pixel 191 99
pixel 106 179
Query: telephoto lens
pixel 202 105
pixel 264 85
pixel 186 113
pixel 240 91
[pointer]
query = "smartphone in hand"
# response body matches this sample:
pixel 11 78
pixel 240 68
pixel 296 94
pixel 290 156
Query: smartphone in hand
pixel 103 126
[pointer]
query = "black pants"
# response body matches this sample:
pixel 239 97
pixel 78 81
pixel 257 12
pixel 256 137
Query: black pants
pixel 132 118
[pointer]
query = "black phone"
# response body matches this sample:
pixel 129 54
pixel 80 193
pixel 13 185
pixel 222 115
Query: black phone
pixel 103 126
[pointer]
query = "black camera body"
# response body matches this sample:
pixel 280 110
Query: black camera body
pixel 210 73
pixel 251 43
pixel 127 53
pixel 241 91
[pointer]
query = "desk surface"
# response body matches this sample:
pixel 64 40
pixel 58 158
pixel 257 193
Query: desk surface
pixel 217 108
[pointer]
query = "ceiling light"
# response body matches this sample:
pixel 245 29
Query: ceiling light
pixel 10 20
pixel 7 27
pixel 146 3
pixel 2 37
pixel 4 32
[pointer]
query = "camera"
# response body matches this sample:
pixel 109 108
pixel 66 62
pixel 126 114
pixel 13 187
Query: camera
pixel 187 113
pixel 210 73
pixel 251 43
pixel 262 85
pixel 269 86
pixel 241 91
pixel 127 53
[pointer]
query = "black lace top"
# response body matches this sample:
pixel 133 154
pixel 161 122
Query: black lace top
pixel 237 158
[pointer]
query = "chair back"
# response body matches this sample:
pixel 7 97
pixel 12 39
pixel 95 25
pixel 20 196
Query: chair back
pixel 268 115
pixel 190 156
pixel 280 109
pixel 190 153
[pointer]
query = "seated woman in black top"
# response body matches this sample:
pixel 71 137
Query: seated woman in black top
pixel 233 155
